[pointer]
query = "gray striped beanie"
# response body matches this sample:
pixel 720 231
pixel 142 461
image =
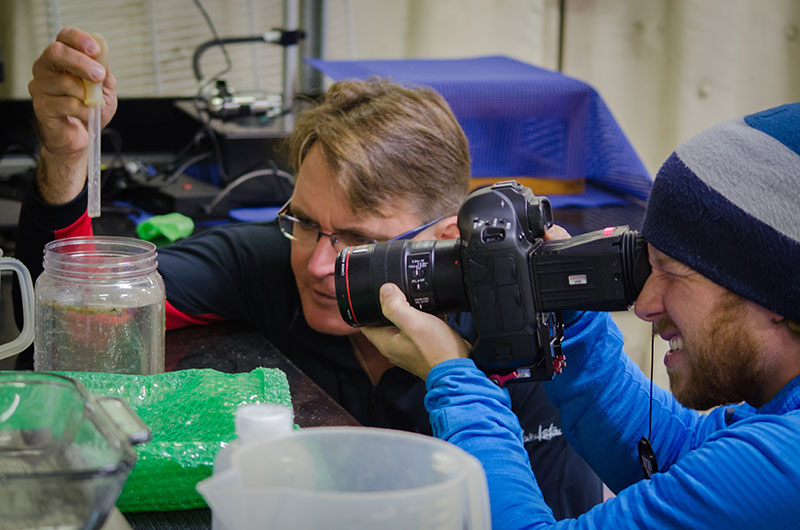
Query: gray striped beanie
pixel 727 204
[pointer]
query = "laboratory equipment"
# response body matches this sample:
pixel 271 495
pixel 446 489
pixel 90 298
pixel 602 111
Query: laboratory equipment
pixel 100 307
pixel 25 336
pixel 64 453
pixel 254 422
pixel 350 477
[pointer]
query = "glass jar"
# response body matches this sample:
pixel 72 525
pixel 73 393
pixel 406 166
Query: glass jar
pixel 100 307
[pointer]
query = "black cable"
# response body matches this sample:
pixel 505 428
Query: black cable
pixel 204 118
pixel 228 64
pixel 652 346
pixel 276 36
pixel 562 11
pixel 194 142
pixel 241 179
pixel 176 173
pixel 218 42
pixel 647 455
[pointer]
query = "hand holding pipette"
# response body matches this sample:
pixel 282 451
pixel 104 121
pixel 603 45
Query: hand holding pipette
pixel 57 96
pixel 94 100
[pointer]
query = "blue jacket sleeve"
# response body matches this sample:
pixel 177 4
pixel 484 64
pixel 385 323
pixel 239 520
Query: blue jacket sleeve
pixel 568 484
pixel 734 476
pixel 604 399
pixel 468 410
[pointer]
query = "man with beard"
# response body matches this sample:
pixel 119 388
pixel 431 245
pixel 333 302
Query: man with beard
pixel 723 232
pixel 373 161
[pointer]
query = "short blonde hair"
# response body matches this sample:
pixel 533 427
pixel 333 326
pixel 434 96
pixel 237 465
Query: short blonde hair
pixel 387 143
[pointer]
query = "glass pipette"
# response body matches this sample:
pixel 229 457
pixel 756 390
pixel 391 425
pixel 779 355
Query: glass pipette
pixel 94 161
pixel 94 100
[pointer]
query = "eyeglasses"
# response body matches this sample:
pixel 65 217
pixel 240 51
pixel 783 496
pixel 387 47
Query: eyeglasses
pixel 306 232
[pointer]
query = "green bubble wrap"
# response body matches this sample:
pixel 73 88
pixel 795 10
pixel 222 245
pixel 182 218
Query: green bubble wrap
pixel 191 414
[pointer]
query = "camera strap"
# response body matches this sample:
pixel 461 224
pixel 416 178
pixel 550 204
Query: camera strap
pixel 559 359
pixel 647 456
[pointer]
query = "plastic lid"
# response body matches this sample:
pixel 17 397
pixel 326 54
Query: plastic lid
pixel 263 419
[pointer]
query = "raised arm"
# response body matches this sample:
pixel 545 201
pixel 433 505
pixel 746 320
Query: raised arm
pixel 57 91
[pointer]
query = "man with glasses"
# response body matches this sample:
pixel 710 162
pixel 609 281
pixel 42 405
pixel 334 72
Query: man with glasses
pixel 374 161
pixel 307 232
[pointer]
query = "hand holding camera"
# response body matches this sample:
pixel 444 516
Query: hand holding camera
pixel 515 283
pixel 417 341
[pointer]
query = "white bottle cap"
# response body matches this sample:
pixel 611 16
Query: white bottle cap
pixel 263 419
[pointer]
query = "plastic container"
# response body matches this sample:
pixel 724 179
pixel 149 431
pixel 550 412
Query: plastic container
pixel 100 307
pixel 25 336
pixel 64 453
pixel 254 422
pixel 350 477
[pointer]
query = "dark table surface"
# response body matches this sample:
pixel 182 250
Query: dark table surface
pixel 232 347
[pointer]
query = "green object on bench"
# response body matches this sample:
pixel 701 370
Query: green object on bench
pixel 191 415
pixel 165 229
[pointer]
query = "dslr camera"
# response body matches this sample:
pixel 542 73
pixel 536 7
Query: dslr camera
pixel 515 283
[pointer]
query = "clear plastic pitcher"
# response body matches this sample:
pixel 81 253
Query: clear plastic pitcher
pixel 64 453
pixel 25 336
pixel 100 307
pixel 350 477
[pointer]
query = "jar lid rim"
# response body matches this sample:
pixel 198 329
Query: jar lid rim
pixel 117 240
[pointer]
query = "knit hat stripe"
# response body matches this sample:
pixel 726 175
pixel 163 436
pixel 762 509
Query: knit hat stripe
pixel 741 162
pixel 782 123
pixel 696 225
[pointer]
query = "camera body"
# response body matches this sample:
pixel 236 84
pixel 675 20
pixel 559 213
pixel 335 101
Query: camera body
pixel 502 230
pixel 501 269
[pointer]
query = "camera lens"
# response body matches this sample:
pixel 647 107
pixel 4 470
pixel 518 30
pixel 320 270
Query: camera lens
pixel 427 272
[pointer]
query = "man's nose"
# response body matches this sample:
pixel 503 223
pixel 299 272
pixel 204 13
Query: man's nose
pixel 323 258
pixel 649 305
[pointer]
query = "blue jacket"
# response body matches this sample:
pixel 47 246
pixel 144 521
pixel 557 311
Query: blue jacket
pixel 735 467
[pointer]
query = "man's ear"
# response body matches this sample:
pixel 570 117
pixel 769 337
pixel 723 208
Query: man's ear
pixel 447 228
